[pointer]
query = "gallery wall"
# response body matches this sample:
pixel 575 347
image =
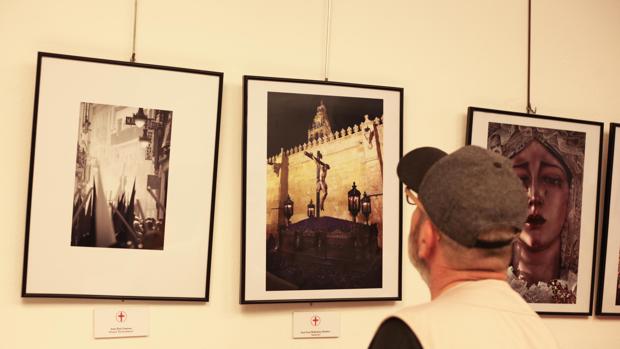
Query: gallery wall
pixel 446 54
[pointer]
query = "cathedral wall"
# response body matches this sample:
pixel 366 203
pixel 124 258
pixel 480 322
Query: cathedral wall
pixel 351 157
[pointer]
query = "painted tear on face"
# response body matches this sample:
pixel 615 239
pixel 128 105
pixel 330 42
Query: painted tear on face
pixel 547 184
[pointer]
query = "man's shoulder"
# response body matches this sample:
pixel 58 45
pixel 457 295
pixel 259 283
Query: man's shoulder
pixel 487 301
pixel 507 315
pixel 485 295
pixel 419 310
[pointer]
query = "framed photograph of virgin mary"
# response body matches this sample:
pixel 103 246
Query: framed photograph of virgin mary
pixel 558 160
pixel 321 204
pixel 608 298
pixel 122 180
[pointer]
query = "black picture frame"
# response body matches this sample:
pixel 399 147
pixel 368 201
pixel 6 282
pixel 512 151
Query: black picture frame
pixel 105 246
pixel 272 107
pixel 566 232
pixel 608 293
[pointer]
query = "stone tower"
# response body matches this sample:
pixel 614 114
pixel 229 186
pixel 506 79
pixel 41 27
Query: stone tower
pixel 320 124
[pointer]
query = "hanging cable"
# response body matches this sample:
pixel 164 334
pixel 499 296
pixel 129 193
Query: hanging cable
pixel 135 20
pixel 327 36
pixel 529 108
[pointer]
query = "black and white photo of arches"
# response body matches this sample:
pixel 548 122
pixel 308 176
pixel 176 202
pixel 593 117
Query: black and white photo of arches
pixel 121 177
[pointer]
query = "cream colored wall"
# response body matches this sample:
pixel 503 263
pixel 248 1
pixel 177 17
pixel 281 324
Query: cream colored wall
pixel 446 54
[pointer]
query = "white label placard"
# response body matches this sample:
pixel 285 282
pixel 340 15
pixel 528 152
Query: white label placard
pixel 316 325
pixel 121 322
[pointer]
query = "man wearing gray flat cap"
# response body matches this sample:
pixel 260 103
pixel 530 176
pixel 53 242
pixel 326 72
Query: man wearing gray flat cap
pixel 470 207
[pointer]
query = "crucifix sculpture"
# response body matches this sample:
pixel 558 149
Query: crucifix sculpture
pixel 321 183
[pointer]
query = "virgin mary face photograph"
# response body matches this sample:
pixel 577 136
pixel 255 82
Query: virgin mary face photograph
pixel 549 163
pixel 547 182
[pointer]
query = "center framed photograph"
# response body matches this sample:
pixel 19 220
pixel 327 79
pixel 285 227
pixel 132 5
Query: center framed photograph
pixel 321 199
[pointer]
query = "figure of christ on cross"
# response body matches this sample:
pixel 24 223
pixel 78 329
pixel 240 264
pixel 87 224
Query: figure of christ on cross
pixel 321 183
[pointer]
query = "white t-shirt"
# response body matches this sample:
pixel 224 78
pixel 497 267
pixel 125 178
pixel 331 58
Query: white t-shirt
pixel 478 314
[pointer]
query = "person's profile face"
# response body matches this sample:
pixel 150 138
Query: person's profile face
pixel 546 181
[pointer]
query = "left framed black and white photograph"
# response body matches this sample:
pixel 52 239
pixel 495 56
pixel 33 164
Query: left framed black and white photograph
pixel 321 205
pixel 122 180
pixel 558 161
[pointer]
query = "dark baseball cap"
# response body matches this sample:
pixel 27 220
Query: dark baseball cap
pixel 466 193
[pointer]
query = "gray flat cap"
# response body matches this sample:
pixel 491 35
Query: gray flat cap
pixel 466 193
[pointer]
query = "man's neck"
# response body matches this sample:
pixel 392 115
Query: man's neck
pixel 444 278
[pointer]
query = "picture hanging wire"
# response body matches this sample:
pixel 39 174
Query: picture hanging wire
pixel 327 36
pixel 135 20
pixel 529 108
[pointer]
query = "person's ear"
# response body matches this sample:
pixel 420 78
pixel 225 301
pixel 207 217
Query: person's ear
pixel 428 240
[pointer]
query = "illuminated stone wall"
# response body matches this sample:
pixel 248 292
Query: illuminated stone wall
pixel 353 154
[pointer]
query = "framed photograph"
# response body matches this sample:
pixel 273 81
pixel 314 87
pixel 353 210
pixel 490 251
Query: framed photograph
pixel 609 272
pixel 321 198
pixel 122 180
pixel 558 160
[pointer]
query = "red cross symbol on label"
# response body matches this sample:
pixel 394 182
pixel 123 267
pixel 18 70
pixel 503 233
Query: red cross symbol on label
pixel 315 320
pixel 121 316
